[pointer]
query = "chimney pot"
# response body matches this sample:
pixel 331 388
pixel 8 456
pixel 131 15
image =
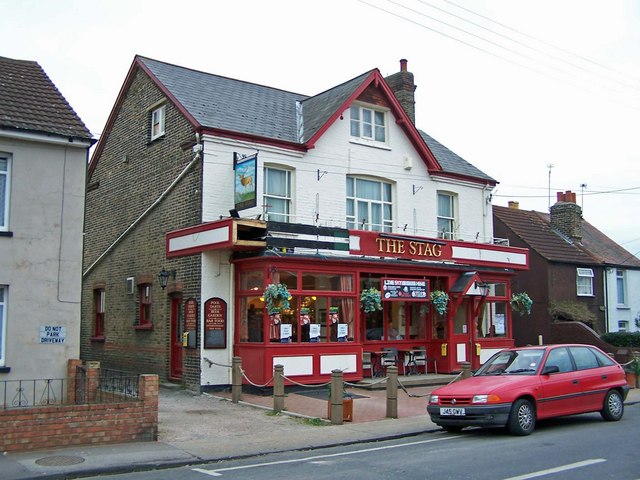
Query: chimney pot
pixel 403 65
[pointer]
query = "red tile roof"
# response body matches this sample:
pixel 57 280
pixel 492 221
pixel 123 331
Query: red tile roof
pixel 534 228
pixel 30 102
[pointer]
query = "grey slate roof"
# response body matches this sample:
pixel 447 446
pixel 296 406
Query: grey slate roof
pixel 534 228
pixel 30 102
pixel 318 109
pixel 223 103
pixel 451 162
pixel 229 104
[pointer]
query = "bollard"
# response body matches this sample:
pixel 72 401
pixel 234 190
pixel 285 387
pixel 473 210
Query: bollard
pixel 236 379
pixel 392 392
pixel 336 399
pixel 278 388
pixel 466 370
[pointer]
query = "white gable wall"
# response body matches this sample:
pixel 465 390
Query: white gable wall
pixel 334 157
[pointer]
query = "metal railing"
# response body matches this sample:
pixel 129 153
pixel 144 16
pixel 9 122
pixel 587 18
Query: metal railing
pixel 109 387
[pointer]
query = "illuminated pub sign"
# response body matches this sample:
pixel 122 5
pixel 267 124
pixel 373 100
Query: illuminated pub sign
pixel 405 289
pixel 215 323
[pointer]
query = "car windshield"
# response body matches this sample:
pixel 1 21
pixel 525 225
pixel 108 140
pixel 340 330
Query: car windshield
pixel 512 362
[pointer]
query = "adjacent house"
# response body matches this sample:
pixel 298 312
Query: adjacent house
pixel 576 273
pixel 43 160
pixel 229 219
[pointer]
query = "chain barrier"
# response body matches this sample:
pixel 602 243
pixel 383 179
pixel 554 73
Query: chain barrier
pixel 269 382
pixel 211 362
pixel 322 385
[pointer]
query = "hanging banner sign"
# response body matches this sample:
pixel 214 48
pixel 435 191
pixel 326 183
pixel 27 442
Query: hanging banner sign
pixel 405 289
pixel 246 171
pixel 215 323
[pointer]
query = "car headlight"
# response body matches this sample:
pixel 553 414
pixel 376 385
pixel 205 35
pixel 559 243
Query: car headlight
pixel 485 399
pixel 434 399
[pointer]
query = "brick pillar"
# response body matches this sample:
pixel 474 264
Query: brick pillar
pixel 148 394
pixel 93 381
pixel 72 366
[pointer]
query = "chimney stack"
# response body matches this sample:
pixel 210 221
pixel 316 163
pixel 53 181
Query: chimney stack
pixel 515 205
pixel 403 88
pixel 566 215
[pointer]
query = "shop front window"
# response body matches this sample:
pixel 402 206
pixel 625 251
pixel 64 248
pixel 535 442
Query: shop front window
pixel 492 321
pixel 251 319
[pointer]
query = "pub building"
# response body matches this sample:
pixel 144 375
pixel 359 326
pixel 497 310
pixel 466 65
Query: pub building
pixel 235 192
pixel 323 325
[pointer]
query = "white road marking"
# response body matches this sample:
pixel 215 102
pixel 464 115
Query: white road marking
pixel 563 468
pixel 216 473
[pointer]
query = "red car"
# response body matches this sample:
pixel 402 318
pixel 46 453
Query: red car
pixel 518 386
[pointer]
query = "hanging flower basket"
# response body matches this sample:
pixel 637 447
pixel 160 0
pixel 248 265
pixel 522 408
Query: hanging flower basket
pixel 440 300
pixel 276 296
pixel 521 303
pixel 370 300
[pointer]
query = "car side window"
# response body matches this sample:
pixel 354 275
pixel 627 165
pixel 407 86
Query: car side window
pixel 560 358
pixel 584 358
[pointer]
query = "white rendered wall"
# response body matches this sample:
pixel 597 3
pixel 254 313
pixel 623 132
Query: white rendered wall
pixel 41 263
pixel 334 157
pixel 627 312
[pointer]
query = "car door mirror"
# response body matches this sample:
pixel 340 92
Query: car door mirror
pixel 548 369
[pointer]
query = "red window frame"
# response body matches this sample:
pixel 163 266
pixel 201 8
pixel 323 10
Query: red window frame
pixel 144 296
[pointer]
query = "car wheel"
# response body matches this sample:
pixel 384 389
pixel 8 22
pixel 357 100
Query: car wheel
pixel 613 407
pixel 452 428
pixel 522 419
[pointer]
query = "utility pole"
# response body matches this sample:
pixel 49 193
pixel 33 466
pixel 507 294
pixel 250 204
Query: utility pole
pixel 549 166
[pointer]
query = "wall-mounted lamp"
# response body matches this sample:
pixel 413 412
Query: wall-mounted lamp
pixel 164 277
pixel 483 287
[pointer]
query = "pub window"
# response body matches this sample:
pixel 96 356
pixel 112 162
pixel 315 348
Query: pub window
pixel 446 216
pixel 98 317
pixel 157 122
pixel 251 319
pixel 368 124
pixel 144 297
pixel 369 205
pixel 492 320
pixel 277 194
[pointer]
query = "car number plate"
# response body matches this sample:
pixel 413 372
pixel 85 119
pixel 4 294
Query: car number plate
pixel 456 412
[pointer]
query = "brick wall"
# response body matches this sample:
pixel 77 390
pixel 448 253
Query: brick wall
pixel 37 428
pixel 131 173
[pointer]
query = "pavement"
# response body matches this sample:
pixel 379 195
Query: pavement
pixel 196 429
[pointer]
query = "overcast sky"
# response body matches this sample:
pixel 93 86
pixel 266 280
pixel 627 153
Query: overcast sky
pixel 543 95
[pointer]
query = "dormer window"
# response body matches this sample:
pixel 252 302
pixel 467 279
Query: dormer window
pixel 157 122
pixel 368 124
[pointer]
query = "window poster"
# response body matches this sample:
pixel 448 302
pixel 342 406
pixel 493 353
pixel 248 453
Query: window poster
pixel 285 332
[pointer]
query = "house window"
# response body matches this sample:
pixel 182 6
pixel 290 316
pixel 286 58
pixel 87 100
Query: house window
pixel 144 291
pixel 5 163
pixel 277 194
pixel 368 124
pixel 584 282
pixel 98 306
pixel 446 216
pixel 157 122
pixel 3 323
pixel 623 326
pixel 369 205
pixel 621 288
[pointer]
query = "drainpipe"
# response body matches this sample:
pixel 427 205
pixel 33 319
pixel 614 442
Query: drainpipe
pixel 197 149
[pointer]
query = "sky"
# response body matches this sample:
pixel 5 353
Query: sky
pixel 542 95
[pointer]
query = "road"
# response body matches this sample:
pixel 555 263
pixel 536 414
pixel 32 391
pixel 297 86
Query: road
pixel 569 448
